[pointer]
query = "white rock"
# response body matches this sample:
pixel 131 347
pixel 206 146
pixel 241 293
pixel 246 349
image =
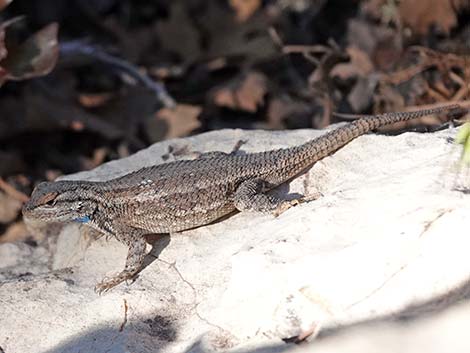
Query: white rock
pixel 389 231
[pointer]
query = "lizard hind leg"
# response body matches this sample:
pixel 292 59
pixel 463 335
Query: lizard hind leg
pixel 134 263
pixel 251 196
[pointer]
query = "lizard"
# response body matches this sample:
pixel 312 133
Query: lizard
pixel 184 194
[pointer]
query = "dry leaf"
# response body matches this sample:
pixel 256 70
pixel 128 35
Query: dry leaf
pixel 15 232
pixel 98 158
pixel 228 37
pixel 422 15
pixel 9 208
pixel 178 33
pixel 359 65
pixel 282 110
pixel 52 174
pixel 246 94
pixel 3 49
pixel 386 11
pixel 77 125
pixel 95 100
pixel 37 56
pixel 4 3
pixel 373 8
pixel 245 8
pixel 181 120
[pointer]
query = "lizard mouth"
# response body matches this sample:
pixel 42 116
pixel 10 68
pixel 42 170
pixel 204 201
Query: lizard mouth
pixel 27 208
pixel 41 212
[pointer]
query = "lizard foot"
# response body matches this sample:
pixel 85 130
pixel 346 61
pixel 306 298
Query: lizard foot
pixel 110 282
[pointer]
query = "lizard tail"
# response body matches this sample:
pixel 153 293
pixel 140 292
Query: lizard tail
pixel 328 143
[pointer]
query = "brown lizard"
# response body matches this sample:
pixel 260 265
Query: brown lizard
pixel 184 194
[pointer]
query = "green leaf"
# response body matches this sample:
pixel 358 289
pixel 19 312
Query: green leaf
pixel 463 134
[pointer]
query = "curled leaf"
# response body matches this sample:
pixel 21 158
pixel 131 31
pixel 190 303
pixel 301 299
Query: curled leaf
pixel 36 56
pixel 244 8
pixel 180 121
pixel 4 3
pixel 3 49
pixel 423 15
pixel 245 93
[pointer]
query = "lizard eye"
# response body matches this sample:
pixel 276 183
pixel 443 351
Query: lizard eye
pixel 48 200
pixel 51 202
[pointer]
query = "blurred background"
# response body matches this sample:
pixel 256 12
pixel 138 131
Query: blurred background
pixel 85 82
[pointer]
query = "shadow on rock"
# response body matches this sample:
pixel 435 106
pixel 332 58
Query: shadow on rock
pixel 146 335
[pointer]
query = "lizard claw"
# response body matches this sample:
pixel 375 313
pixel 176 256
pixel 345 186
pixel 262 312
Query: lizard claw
pixel 285 205
pixel 109 282
pixel 102 287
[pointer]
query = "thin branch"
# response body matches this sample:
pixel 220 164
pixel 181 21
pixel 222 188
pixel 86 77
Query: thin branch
pixel 79 48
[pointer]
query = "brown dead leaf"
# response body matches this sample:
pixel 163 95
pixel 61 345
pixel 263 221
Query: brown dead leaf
pixel 360 96
pixel 357 70
pixel 178 34
pixel 99 156
pixel 244 8
pixel 422 15
pixel 11 191
pixel 4 3
pixel 3 49
pixel 246 94
pixel 359 65
pixel 373 8
pixel 37 56
pixel 9 208
pixel 77 125
pixel 282 109
pixel 387 53
pixel 387 99
pixel 385 11
pixel 179 121
pixel 94 100
pixel 461 5
pixel 15 232
pixel 229 37
pixel 52 174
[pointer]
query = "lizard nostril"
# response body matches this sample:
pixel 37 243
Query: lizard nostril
pixel 27 206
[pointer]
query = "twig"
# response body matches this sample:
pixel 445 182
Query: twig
pixel 124 321
pixel 79 48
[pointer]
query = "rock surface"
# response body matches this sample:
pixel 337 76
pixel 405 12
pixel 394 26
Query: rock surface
pixel 386 238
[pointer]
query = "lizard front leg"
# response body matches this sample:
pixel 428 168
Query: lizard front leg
pixel 134 262
pixel 250 196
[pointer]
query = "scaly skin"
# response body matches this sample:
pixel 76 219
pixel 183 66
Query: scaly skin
pixel 185 194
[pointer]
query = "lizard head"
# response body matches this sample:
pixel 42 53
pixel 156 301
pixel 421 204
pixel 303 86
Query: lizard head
pixel 60 201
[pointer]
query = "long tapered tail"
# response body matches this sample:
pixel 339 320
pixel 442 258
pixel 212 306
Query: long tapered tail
pixel 317 149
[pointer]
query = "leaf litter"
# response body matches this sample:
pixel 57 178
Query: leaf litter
pixel 87 82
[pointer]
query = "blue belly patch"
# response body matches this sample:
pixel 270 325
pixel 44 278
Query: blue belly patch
pixel 84 219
